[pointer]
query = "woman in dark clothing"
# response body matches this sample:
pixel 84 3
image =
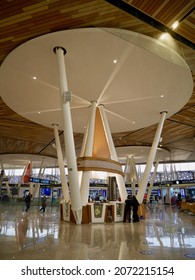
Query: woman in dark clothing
pixel 127 212
pixel 135 205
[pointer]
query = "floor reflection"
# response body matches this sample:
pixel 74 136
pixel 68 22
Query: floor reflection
pixel 164 234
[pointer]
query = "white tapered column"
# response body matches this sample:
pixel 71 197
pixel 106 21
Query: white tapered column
pixel 151 156
pixel 64 184
pixel 8 189
pixel 76 205
pixel 82 153
pixel 88 153
pixel 119 178
pixel 31 188
pixel 80 173
pixel 152 181
pixel 20 181
pixel 37 185
pixel 133 174
pixel 126 169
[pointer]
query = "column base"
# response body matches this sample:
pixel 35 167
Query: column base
pixel 77 216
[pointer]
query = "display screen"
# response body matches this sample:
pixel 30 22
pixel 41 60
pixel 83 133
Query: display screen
pixel 46 191
pixel 182 191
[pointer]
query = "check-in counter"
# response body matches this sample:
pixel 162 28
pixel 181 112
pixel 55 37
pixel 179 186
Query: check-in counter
pixel 118 210
pixel 96 212
pixel 65 209
pixel 107 212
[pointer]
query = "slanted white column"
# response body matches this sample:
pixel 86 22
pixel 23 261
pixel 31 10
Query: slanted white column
pixel 88 153
pixel 126 171
pixel 133 174
pixel 151 156
pixel 20 181
pixel 119 178
pixel 66 196
pixel 80 173
pixel 31 189
pixel 8 189
pixel 152 181
pixel 76 205
pixel 37 185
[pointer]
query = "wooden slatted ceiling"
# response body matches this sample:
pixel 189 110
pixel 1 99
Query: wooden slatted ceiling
pixel 54 13
pixel 21 20
pixel 167 12
pixel 172 134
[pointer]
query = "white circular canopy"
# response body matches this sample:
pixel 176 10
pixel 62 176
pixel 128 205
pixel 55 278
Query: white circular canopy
pixel 140 154
pixel 21 160
pixel 134 76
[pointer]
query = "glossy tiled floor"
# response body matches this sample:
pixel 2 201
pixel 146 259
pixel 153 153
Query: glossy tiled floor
pixel 165 234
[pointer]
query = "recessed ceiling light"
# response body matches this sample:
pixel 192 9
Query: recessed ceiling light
pixel 133 122
pixel 39 112
pixel 175 25
pixel 115 61
pixel 162 96
pixel 164 36
pixel 34 78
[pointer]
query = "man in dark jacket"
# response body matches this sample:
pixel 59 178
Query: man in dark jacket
pixel 44 204
pixel 135 205
pixel 127 212
pixel 27 201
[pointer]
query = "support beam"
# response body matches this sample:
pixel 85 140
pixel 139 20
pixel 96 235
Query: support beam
pixel 152 181
pixel 85 180
pixel 133 174
pixel 76 205
pixel 150 160
pixel 37 185
pixel 66 196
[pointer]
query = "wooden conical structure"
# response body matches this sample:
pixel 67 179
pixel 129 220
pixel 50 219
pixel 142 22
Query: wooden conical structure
pixel 98 153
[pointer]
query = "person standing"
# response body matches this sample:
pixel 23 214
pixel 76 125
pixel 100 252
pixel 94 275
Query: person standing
pixel 127 212
pixel 44 204
pixel 135 205
pixel 27 202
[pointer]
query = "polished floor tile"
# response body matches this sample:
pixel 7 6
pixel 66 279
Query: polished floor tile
pixel 165 234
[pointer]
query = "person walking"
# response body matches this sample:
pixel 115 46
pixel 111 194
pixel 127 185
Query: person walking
pixel 127 212
pixel 135 205
pixel 44 204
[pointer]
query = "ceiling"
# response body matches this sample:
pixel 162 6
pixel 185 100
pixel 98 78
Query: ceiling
pixel 26 20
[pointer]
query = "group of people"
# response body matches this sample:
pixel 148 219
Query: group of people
pixel 131 203
pixel 28 199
